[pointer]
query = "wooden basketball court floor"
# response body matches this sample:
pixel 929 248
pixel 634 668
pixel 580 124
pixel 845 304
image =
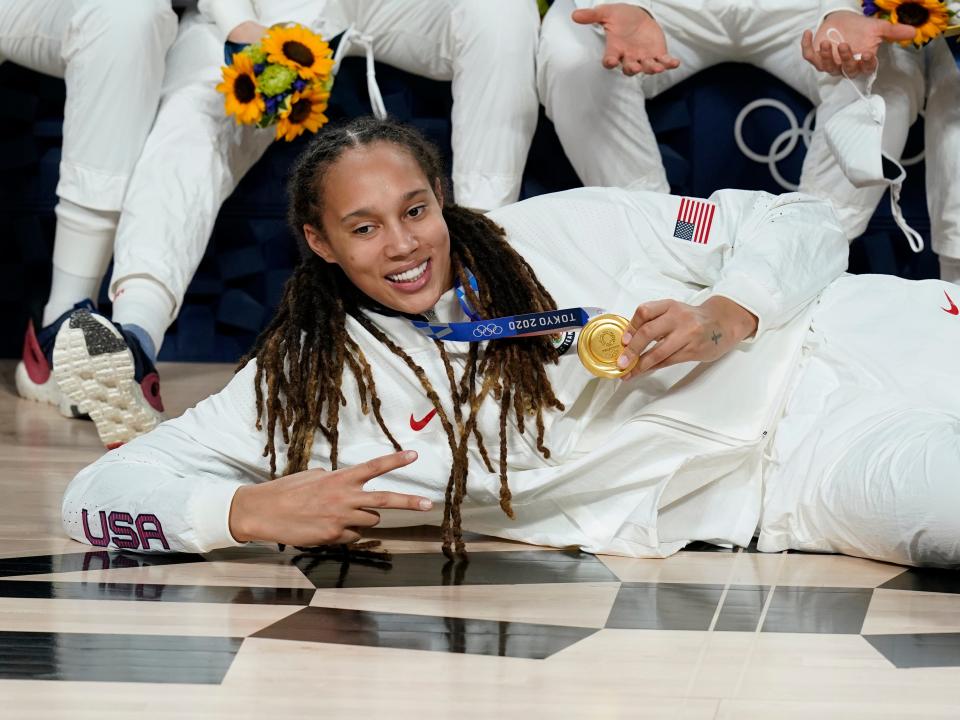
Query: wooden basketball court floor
pixel 519 631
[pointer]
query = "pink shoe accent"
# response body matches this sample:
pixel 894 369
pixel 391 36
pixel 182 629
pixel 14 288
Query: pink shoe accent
pixel 151 391
pixel 38 369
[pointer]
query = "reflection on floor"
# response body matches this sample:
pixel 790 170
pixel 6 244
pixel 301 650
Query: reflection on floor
pixel 516 630
pixel 666 606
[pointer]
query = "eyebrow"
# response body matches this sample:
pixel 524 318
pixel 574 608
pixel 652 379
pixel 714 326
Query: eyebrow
pixel 368 211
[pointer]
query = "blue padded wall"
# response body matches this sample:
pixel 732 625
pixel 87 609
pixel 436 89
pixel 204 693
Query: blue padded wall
pixel 251 254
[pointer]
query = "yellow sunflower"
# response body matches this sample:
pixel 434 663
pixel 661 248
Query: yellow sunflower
pixel 298 48
pixel 929 17
pixel 240 88
pixel 304 111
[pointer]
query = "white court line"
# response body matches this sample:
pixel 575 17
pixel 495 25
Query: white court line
pixel 713 623
pixel 756 632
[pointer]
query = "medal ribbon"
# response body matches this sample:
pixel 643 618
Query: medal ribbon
pixel 540 323
pixel 527 325
pixel 462 296
pixel 552 322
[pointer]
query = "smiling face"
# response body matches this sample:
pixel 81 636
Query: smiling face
pixel 383 225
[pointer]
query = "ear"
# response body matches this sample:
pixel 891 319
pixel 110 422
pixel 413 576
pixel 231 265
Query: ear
pixel 318 243
pixel 438 191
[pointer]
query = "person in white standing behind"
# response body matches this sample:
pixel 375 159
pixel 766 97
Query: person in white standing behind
pixel 598 64
pixel 111 55
pixel 861 37
pixel 197 154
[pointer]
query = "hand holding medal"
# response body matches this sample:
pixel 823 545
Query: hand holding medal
pixel 661 333
pixel 668 332
pixel 598 345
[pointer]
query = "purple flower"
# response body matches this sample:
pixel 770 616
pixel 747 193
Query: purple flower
pixel 299 84
pixel 258 68
pixel 870 7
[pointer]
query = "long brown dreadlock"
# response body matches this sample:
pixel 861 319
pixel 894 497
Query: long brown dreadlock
pixel 302 354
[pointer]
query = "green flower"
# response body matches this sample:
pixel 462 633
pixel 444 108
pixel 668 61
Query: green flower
pixel 256 53
pixel 276 79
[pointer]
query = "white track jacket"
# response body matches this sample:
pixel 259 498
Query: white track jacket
pixel 636 468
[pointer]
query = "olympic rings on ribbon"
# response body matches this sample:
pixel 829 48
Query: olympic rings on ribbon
pixel 492 330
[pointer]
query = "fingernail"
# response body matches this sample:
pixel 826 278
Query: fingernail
pixel 627 337
pixel 623 361
pixel 425 504
pixel 410 455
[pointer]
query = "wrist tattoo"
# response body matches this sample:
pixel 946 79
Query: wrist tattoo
pixel 716 337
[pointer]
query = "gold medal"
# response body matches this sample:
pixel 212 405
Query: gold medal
pixel 599 345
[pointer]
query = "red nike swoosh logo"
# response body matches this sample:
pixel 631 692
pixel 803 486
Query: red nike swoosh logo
pixel 953 309
pixel 418 425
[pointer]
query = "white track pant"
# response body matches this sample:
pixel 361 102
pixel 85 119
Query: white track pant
pixel 900 83
pixel 942 140
pixel 111 55
pixel 600 114
pixel 487 48
pixel 866 460
pixel 196 155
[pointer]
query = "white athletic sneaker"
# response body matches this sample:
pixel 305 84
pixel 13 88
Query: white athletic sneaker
pixel 104 372
pixel 34 374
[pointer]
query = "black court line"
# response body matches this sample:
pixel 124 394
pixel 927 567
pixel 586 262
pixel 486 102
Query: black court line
pixel 116 658
pixel 96 560
pixel 935 580
pixel 742 608
pixel 918 650
pixel 688 606
pixel 525 567
pixel 425 632
pixel 664 606
pixel 43 589
pixel 821 610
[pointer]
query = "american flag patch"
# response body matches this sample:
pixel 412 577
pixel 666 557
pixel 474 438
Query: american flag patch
pixel 694 219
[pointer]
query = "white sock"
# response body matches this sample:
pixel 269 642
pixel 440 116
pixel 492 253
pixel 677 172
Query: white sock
pixel 66 290
pixel 950 269
pixel 82 247
pixel 144 302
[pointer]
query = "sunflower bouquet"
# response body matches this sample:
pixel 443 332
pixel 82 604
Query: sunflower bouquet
pixel 283 80
pixel 931 18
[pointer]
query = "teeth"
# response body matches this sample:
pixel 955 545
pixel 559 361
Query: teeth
pixel 409 275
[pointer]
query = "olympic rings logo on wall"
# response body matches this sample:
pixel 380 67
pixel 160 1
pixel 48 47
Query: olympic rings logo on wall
pixel 785 143
pixel 482 331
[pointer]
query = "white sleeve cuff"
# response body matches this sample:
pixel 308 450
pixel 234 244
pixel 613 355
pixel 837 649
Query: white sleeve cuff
pixel 227 14
pixel 838 6
pixel 645 4
pixel 750 295
pixel 209 513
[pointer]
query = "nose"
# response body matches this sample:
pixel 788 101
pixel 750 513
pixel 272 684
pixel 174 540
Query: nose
pixel 401 241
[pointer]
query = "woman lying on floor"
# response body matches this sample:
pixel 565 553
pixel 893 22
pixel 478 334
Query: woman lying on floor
pixel 765 392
